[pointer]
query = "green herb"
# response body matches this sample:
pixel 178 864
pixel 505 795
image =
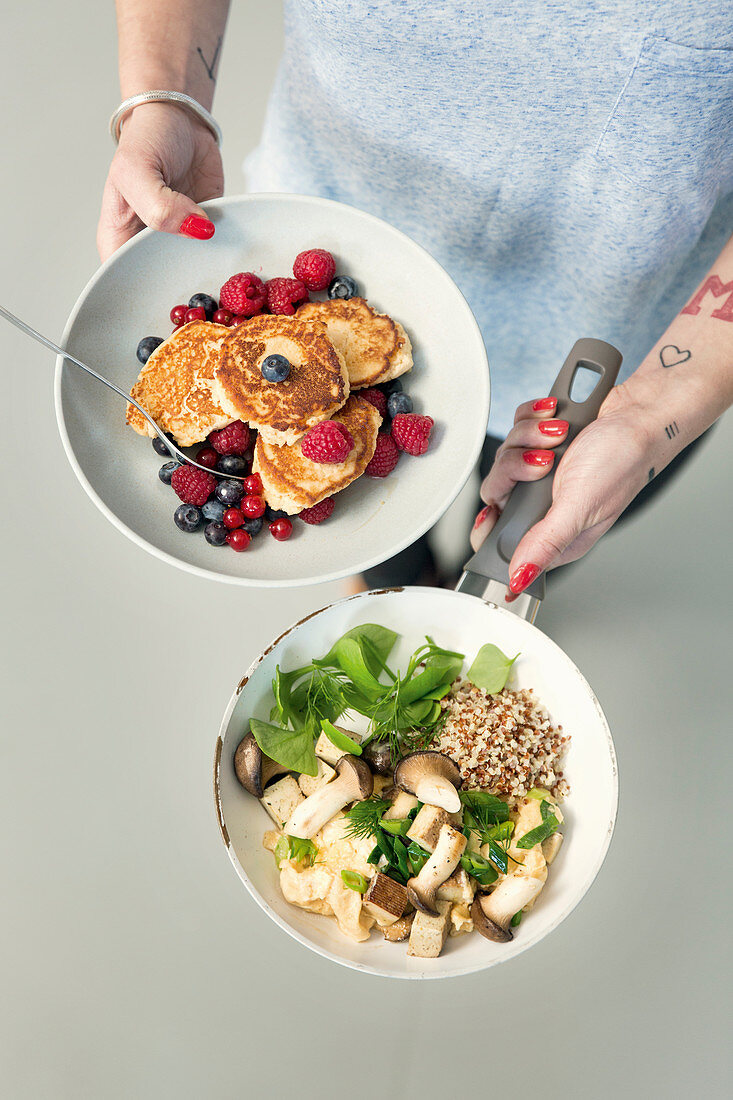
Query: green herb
pixel 291 748
pixel 365 817
pixel 293 847
pixel 375 855
pixel 355 881
pixel 418 857
pixel 501 832
pixel 490 670
pixel 339 739
pixel 516 919
pixel 541 832
pixel 484 810
pixel 498 856
pixel 474 864
pixel 396 826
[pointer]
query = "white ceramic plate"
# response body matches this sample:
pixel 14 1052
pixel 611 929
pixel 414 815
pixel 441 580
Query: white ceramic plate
pixel 131 296
pixel 459 622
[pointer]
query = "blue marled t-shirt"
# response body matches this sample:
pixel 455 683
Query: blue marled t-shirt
pixel 569 163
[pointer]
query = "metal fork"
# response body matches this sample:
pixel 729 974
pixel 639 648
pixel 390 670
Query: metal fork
pixel 172 448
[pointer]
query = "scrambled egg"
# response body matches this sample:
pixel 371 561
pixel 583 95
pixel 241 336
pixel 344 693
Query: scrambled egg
pixel 320 888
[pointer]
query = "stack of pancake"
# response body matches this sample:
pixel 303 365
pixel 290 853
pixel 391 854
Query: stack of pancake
pixel 205 376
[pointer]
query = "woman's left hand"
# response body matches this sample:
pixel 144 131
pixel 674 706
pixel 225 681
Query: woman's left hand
pixel 601 472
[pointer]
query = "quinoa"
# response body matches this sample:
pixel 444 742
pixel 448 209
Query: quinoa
pixel 505 742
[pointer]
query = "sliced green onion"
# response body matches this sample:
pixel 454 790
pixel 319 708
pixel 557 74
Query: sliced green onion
pixel 539 793
pixel 418 857
pixel 500 832
pixel 516 919
pixel 536 836
pixel 397 826
pixel 498 856
pixel 479 868
pixel 282 850
pixel 355 881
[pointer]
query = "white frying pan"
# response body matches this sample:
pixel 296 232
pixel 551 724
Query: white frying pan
pixel 474 614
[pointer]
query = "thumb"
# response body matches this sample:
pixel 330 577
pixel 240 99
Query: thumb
pixel 544 544
pixel 157 205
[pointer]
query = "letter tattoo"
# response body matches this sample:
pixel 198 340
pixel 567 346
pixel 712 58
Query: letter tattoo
pixel 672 430
pixel 715 285
pixel 210 69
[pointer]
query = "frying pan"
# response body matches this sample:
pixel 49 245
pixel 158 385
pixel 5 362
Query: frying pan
pixel 464 619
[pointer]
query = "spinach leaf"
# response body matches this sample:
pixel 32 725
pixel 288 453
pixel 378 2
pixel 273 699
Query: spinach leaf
pixel 291 748
pixel 351 659
pixel 339 739
pixel 439 670
pixel 490 669
pixel 485 809
pixel 372 639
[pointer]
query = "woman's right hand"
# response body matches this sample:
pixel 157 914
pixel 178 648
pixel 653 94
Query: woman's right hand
pixel 167 162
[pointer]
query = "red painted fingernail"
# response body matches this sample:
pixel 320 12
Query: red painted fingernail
pixel 538 458
pixel 481 516
pixel 199 228
pixel 521 578
pixel 545 404
pixel 553 427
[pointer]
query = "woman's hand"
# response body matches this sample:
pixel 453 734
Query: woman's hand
pixel 166 162
pixel 603 469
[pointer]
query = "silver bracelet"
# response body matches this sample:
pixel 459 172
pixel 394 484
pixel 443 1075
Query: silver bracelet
pixel 183 100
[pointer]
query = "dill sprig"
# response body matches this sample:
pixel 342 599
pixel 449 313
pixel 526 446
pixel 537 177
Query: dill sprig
pixel 364 817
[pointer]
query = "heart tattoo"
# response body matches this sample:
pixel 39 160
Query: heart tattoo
pixel 672 356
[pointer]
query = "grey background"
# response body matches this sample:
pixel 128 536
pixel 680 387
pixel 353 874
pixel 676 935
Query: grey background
pixel 133 963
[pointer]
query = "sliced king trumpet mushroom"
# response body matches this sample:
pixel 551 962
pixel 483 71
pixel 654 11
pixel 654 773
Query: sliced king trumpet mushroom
pixel 492 913
pixel 254 770
pixel 432 777
pixel 422 888
pixel 353 781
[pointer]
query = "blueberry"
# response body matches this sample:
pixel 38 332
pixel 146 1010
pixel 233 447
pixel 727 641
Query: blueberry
pixel 253 526
pixel 159 446
pixel 272 513
pixel 399 403
pixel 229 492
pixel 147 346
pixel 395 386
pixel 214 511
pixel 187 517
pixel 166 471
pixel 232 464
pixel 215 534
pixel 275 368
pixel 205 302
pixel 343 287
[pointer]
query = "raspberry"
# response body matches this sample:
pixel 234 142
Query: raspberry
pixel 376 398
pixel 329 441
pixel 318 512
pixel 284 294
pixel 232 440
pixel 243 294
pixel 315 268
pixel 411 432
pixel 193 486
pixel 385 456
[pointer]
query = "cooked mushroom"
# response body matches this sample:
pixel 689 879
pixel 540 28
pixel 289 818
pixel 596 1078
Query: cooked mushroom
pixel 426 827
pixel 353 781
pixel 432 777
pixel 378 756
pixel 254 769
pixel 422 889
pixel 400 930
pixel 492 913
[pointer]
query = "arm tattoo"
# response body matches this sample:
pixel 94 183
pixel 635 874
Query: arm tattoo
pixel 651 475
pixel 672 430
pixel 715 285
pixel 211 69
pixel 672 356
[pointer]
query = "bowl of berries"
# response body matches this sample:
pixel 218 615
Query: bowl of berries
pixel 321 370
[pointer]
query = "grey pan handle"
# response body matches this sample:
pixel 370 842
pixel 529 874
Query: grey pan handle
pixel 531 500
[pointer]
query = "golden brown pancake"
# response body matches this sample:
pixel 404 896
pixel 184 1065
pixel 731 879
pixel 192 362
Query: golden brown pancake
pixel 292 482
pixel 175 385
pixel 318 383
pixel 375 347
